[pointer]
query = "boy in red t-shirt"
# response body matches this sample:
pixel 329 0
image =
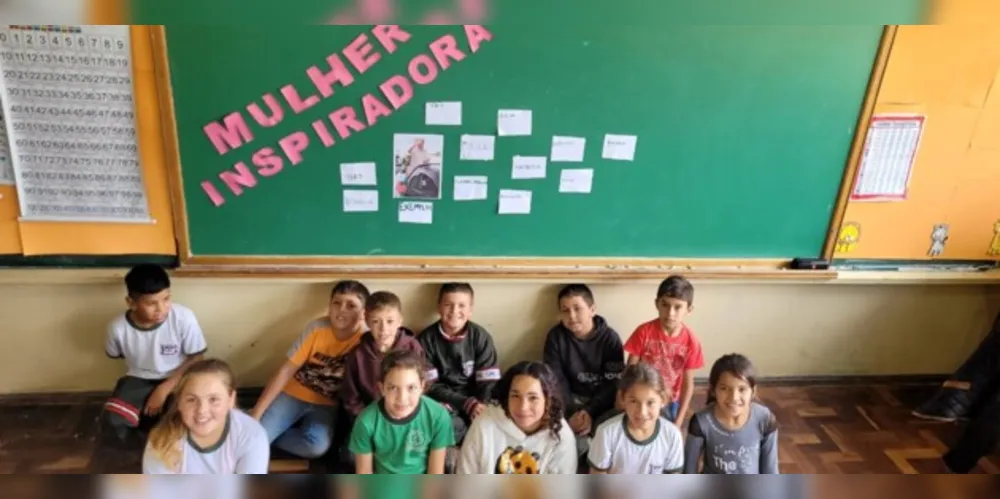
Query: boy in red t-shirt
pixel 669 346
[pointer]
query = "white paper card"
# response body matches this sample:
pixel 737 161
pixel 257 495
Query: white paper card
pixel 514 202
pixel 513 122
pixel 443 113
pixel 576 180
pixel 357 174
pixel 528 167
pixel 567 148
pixel 619 147
pixel 416 212
pixel 477 147
pixel 360 200
pixel 470 187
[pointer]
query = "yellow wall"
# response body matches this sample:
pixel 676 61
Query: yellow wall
pixel 949 73
pixel 53 330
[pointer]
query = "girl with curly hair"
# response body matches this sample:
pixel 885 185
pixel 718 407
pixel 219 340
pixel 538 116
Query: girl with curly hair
pixel 526 433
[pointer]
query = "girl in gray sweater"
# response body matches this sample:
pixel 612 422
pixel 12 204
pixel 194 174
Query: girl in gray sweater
pixel 733 434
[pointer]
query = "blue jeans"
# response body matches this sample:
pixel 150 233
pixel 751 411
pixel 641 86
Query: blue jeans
pixel 299 428
pixel 670 411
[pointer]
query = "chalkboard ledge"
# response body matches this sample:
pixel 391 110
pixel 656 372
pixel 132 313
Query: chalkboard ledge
pixel 538 270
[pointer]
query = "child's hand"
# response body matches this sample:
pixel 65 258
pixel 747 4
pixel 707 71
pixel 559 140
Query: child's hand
pixel 477 410
pixel 154 404
pixel 580 422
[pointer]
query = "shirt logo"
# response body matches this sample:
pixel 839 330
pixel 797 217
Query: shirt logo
pixel 467 368
pixel 416 441
pixel 169 350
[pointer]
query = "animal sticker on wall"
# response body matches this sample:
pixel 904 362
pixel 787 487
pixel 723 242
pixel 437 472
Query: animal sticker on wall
pixel 848 238
pixel 939 236
pixel 995 242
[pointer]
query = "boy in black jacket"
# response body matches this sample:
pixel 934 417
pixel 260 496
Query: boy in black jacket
pixel 587 356
pixel 462 360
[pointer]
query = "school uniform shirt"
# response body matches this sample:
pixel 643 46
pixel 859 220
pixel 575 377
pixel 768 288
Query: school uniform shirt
pixel 615 451
pixel 244 449
pixel 671 356
pixel 494 445
pixel 155 353
pixel 402 446
pixel 462 369
pixel 588 368
pixel 750 450
pixel 320 356
pixel 363 366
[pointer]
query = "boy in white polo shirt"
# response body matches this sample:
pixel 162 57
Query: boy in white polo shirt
pixel 158 341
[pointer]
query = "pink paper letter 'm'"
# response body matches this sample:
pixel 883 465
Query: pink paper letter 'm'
pixel 476 35
pixel 338 74
pixel 344 120
pixel 403 96
pixel 239 179
pixel 234 134
pixel 374 108
pixel 267 162
pixel 388 34
pixel 323 132
pixel 213 193
pixel 295 100
pixel 432 69
pixel 444 48
pixel 293 145
pixel 358 52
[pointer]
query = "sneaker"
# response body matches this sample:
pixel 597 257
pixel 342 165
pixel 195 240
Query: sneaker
pixel 947 405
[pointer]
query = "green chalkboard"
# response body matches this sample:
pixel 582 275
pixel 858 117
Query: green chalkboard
pixel 743 136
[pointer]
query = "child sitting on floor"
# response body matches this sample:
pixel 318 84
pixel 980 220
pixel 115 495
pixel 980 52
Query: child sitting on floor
pixel 298 406
pixel 363 365
pixel 404 432
pixel 463 364
pixel 203 432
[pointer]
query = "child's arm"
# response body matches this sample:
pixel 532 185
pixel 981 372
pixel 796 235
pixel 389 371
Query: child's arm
pixel 297 355
pixel 273 388
pixel 469 455
pixel 442 437
pixel 604 400
pixel 687 392
pixel 487 369
pixel 769 449
pixel 154 404
pixel 350 390
pixel 363 464
pixel 599 456
pixel 360 444
pixel 694 447
pixel 435 461
pixel 552 357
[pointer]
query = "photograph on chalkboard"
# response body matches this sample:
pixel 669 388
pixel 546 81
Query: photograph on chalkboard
pixel 417 166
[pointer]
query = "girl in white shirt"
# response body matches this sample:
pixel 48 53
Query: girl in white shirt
pixel 203 432
pixel 640 440
pixel 526 433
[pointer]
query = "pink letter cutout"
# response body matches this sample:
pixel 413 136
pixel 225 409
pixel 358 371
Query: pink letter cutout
pixel 213 193
pixel 338 74
pixel 293 145
pixel 234 134
pixel 432 69
pixel 239 179
pixel 344 120
pixel 295 100
pixel 276 112
pixel 268 163
pixel 476 35
pixel 397 99
pixel 374 108
pixel 389 34
pixel 444 48
pixel 358 52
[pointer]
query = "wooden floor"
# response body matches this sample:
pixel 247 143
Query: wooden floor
pixel 825 429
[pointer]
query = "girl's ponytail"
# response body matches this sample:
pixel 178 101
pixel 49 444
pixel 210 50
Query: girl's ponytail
pixel 166 438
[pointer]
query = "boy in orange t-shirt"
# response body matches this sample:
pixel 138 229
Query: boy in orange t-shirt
pixel 669 346
pixel 298 406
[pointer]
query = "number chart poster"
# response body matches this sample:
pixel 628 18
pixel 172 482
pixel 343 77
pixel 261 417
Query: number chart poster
pixel 67 96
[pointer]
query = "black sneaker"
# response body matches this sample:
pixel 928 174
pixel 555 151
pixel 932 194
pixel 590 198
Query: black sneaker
pixel 947 405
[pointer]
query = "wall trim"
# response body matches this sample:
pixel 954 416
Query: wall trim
pixel 249 394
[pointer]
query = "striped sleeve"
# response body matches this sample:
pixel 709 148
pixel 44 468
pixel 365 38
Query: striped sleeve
pixel 302 349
